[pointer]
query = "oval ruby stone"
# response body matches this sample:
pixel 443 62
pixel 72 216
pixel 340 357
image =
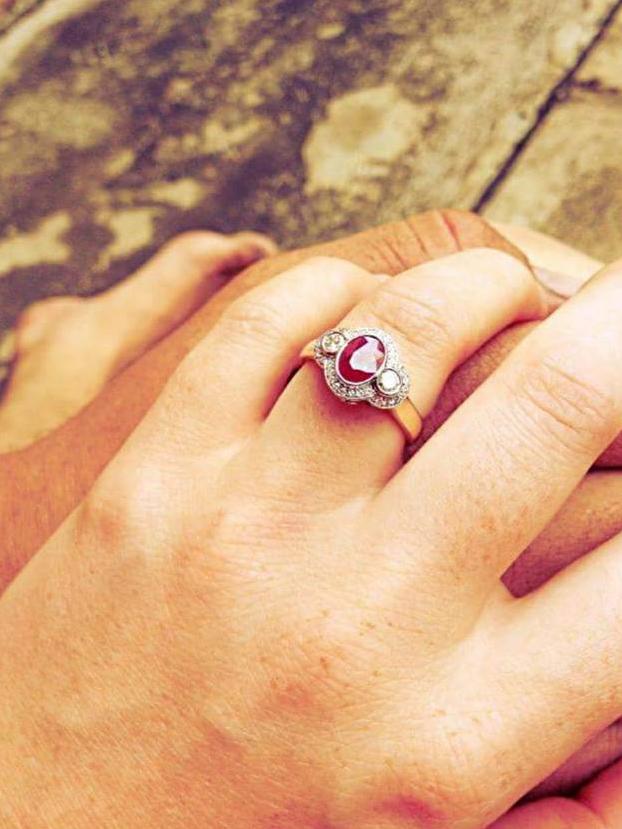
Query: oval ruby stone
pixel 361 359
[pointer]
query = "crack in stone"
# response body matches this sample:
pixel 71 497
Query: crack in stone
pixel 559 93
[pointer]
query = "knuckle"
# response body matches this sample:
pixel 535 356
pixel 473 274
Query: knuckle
pixel 490 269
pixel 508 268
pixel 331 272
pixel 329 269
pixel 419 321
pixel 333 269
pixel 254 317
pixel 449 782
pixel 571 407
pixel 122 508
pixel 330 264
pixel 498 261
pixel 184 388
pixel 437 799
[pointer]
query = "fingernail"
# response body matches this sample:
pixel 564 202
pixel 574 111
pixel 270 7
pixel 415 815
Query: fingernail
pixel 561 284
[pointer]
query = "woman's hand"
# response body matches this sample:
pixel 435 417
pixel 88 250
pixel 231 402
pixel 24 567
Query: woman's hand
pixel 68 348
pixel 259 618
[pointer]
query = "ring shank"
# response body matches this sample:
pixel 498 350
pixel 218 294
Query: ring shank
pixel 408 417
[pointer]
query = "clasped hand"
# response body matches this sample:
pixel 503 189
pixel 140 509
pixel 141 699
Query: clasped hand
pixel 261 617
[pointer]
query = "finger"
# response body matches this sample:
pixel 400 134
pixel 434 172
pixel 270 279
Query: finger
pixel 171 286
pixel 590 517
pixel 572 267
pixel 596 806
pixel 468 377
pixel 438 315
pixel 603 797
pixel 559 653
pixel 599 753
pixel 552 813
pixel 568 269
pixel 514 452
pixel 69 348
pixel 562 270
pixel 412 240
pixel 224 388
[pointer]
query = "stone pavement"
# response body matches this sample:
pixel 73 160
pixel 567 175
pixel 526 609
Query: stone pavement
pixel 123 122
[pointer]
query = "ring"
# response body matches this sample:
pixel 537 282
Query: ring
pixel 363 366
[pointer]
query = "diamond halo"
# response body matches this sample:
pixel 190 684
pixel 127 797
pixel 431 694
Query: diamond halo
pixel 387 384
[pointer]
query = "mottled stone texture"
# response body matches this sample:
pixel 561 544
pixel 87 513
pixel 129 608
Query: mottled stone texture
pixel 568 181
pixel 123 122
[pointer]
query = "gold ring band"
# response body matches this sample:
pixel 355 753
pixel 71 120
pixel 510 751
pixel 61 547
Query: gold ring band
pixel 408 417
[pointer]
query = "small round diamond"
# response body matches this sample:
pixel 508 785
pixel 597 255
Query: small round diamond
pixel 332 342
pixel 388 382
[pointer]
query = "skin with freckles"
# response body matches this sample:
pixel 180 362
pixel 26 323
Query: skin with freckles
pixel 58 471
pixel 592 515
pixel 307 633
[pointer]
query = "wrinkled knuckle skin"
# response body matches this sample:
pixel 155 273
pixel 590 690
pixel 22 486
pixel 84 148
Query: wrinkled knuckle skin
pixel 421 798
pixel 573 410
pixel 253 319
pixel 421 323
pixel 121 508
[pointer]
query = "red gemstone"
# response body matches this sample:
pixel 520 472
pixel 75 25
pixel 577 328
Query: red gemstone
pixel 361 359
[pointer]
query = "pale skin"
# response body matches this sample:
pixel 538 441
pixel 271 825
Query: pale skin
pixel 68 348
pixel 320 611
pixel 42 484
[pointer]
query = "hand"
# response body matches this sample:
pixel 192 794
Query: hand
pixel 42 485
pixel 68 348
pixel 259 618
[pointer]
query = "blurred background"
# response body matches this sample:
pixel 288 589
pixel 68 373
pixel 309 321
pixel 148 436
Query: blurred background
pixel 123 122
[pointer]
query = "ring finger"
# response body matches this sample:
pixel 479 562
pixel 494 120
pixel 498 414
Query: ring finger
pixel 438 314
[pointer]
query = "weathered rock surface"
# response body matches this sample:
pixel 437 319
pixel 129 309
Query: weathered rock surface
pixel 568 182
pixel 123 122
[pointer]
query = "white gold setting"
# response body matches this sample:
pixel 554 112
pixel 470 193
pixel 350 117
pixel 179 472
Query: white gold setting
pixel 332 342
pixel 386 389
